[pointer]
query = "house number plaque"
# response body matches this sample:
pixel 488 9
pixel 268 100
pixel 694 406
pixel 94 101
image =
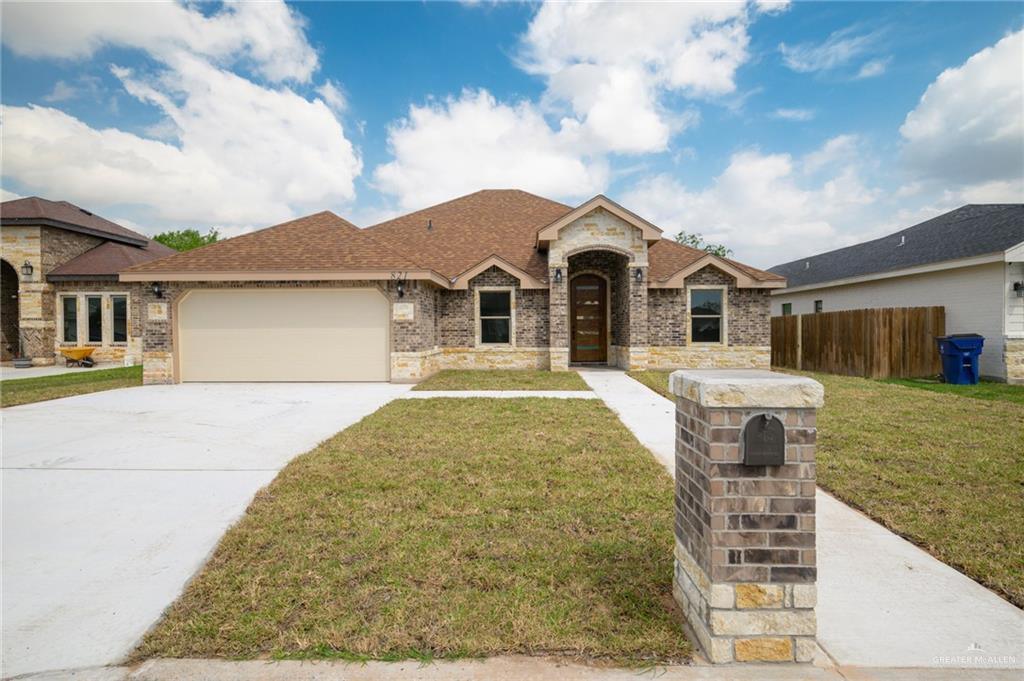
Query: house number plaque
pixel 764 441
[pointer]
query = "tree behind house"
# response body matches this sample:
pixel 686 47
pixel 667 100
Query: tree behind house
pixel 186 239
pixel 697 241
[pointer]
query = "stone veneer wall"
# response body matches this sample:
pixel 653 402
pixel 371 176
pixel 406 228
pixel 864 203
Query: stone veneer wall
pixel 45 248
pixel 745 535
pixel 596 230
pixel 106 351
pixel 1013 356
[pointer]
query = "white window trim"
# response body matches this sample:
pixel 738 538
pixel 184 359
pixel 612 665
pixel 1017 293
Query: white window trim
pixel 107 318
pixel 511 290
pixel 724 342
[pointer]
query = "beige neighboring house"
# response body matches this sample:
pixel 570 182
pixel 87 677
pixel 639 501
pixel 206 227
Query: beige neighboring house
pixel 970 261
pixel 496 279
pixel 60 285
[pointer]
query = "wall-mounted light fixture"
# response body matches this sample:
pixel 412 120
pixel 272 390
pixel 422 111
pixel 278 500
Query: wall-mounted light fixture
pixel 157 289
pixel 638 274
pixel 26 270
pixel 558 275
pixel 399 279
pixel 1018 288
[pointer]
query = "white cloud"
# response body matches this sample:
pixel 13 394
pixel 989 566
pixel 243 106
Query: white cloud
pixel 462 144
pixel 616 91
pixel 268 34
pixel 333 96
pixel 841 148
pixel 7 195
pixel 760 206
pixel 968 127
pixel 227 151
pixel 794 114
pixel 61 92
pixel 839 49
pixel 873 68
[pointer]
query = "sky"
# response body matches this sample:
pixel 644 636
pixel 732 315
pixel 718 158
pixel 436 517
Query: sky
pixel 778 129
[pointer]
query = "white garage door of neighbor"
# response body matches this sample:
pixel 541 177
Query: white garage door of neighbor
pixel 283 335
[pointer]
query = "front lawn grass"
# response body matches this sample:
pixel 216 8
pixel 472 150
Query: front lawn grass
pixel 505 379
pixel 983 390
pixel 943 470
pixel 447 528
pixel 26 390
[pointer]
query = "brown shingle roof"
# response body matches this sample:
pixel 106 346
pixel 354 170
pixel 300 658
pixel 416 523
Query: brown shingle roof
pixel 35 210
pixel 107 259
pixel 448 239
pixel 319 242
pixel 467 230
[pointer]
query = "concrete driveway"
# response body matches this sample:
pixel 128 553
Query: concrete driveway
pixel 112 501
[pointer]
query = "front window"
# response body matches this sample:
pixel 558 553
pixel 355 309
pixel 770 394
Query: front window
pixel 495 317
pixel 706 315
pixel 94 307
pixel 119 318
pixel 69 311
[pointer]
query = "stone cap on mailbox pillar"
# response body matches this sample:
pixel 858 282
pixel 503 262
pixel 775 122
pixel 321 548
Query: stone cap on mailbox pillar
pixel 750 388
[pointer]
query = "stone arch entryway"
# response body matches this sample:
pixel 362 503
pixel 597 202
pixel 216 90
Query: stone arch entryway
pixel 598 305
pixel 9 311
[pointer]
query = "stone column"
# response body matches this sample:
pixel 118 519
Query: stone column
pixel 745 555
pixel 558 319
pixel 638 353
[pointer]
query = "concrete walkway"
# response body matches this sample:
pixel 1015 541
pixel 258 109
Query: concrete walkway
pixel 113 500
pixel 882 602
pixel 557 394
pixel 9 372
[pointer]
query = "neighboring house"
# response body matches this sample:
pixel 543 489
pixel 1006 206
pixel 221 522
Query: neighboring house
pixel 495 279
pixel 60 285
pixel 970 260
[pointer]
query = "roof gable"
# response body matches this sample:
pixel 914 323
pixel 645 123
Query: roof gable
pixel 33 210
pixel 550 231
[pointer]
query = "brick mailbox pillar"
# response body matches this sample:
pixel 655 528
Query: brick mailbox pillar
pixel 744 523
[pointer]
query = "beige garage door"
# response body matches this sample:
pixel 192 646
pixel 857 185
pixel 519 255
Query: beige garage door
pixel 283 335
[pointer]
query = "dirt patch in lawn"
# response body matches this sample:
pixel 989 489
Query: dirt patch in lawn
pixel 519 379
pixel 943 470
pixel 27 390
pixel 447 528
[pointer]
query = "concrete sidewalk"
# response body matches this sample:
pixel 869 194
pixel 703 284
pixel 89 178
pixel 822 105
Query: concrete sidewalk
pixel 9 373
pixel 882 602
pixel 501 394
pixel 509 668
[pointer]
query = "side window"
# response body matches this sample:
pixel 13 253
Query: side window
pixel 495 313
pixel 94 312
pixel 119 318
pixel 787 309
pixel 818 306
pixel 69 312
pixel 706 307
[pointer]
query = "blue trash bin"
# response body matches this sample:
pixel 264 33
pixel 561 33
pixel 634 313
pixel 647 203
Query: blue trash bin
pixel 960 357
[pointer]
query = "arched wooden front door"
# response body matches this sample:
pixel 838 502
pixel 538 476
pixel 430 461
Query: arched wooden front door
pixel 588 319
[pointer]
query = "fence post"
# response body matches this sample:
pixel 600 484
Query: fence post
pixel 799 342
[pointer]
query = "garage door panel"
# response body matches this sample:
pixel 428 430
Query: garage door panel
pixel 284 335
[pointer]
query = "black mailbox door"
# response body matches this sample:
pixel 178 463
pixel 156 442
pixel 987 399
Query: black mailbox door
pixel 764 441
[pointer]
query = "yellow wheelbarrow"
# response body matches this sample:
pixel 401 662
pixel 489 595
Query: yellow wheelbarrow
pixel 78 357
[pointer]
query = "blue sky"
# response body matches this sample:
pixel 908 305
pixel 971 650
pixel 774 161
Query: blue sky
pixel 778 129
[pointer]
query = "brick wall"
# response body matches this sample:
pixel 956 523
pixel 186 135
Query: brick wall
pixel 421 332
pixel 749 316
pixel 666 316
pixel 457 318
pixel 106 351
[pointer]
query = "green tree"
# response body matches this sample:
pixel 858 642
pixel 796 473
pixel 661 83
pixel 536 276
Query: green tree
pixel 186 239
pixel 697 241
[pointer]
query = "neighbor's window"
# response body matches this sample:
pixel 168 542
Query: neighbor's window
pixel 94 307
pixel 787 309
pixel 706 315
pixel 119 318
pixel 69 310
pixel 817 306
pixel 495 316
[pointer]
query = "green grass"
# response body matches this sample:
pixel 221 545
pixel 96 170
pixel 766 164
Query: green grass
pixel 447 528
pixel 942 470
pixel 984 390
pixel 26 390
pixel 457 379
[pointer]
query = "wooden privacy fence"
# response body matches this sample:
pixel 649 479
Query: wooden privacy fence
pixel 893 342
